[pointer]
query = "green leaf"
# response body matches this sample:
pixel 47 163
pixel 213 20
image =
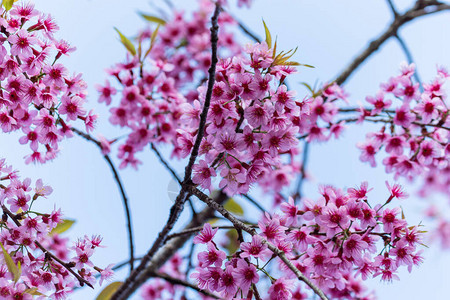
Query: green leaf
pixel 152 40
pixel 109 290
pixel 306 65
pixel 213 221
pixel 268 35
pixel 34 292
pixel 19 272
pixel 126 42
pixel 153 19
pixel 234 207
pixel 10 264
pixel 62 227
pixel 8 4
pixel 308 87
pixel 233 244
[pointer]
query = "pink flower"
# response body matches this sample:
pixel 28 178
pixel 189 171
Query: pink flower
pixel 403 116
pixel 255 248
pixel 361 193
pixel 106 274
pixel 258 115
pixel 301 238
pixel 389 219
pixel 396 191
pixel 54 75
pixel 281 289
pixel 210 257
pixel 246 275
pixel 333 219
pixel 21 43
pixel 379 103
pixel 203 174
pixel 206 235
pixel 354 246
pixel 290 211
pixel 72 107
pixel 106 92
pixel 369 149
pixel 229 285
pixel 271 228
pixel 428 109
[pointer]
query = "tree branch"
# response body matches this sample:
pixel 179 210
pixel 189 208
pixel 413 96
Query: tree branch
pixel 122 193
pixel 400 20
pixel 164 254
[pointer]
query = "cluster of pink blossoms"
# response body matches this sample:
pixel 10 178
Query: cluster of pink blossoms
pixel 38 95
pixel 26 236
pixel 253 120
pixel 337 242
pixel 156 86
pixel 416 133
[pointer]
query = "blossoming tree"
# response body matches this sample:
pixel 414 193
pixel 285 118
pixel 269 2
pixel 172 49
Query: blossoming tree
pixel 229 111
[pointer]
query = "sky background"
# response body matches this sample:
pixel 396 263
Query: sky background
pixel 328 34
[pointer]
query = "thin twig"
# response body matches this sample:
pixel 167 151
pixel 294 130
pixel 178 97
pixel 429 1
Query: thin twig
pixel 122 193
pixel 254 202
pixel 165 163
pixel 403 44
pixel 392 7
pixel 190 257
pixel 410 59
pixel 247 31
pixel 171 171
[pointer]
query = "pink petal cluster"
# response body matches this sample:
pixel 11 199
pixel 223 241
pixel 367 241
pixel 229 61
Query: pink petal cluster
pixel 39 97
pixel 39 272
pixel 156 96
pixel 416 131
pixel 337 242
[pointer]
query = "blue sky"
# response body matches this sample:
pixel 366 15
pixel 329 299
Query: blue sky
pixel 328 34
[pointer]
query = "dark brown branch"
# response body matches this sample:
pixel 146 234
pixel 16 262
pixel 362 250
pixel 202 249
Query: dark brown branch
pixel 174 244
pixel 47 253
pixel 392 7
pixel 123 291
pixel 400 20
pixel 122 193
